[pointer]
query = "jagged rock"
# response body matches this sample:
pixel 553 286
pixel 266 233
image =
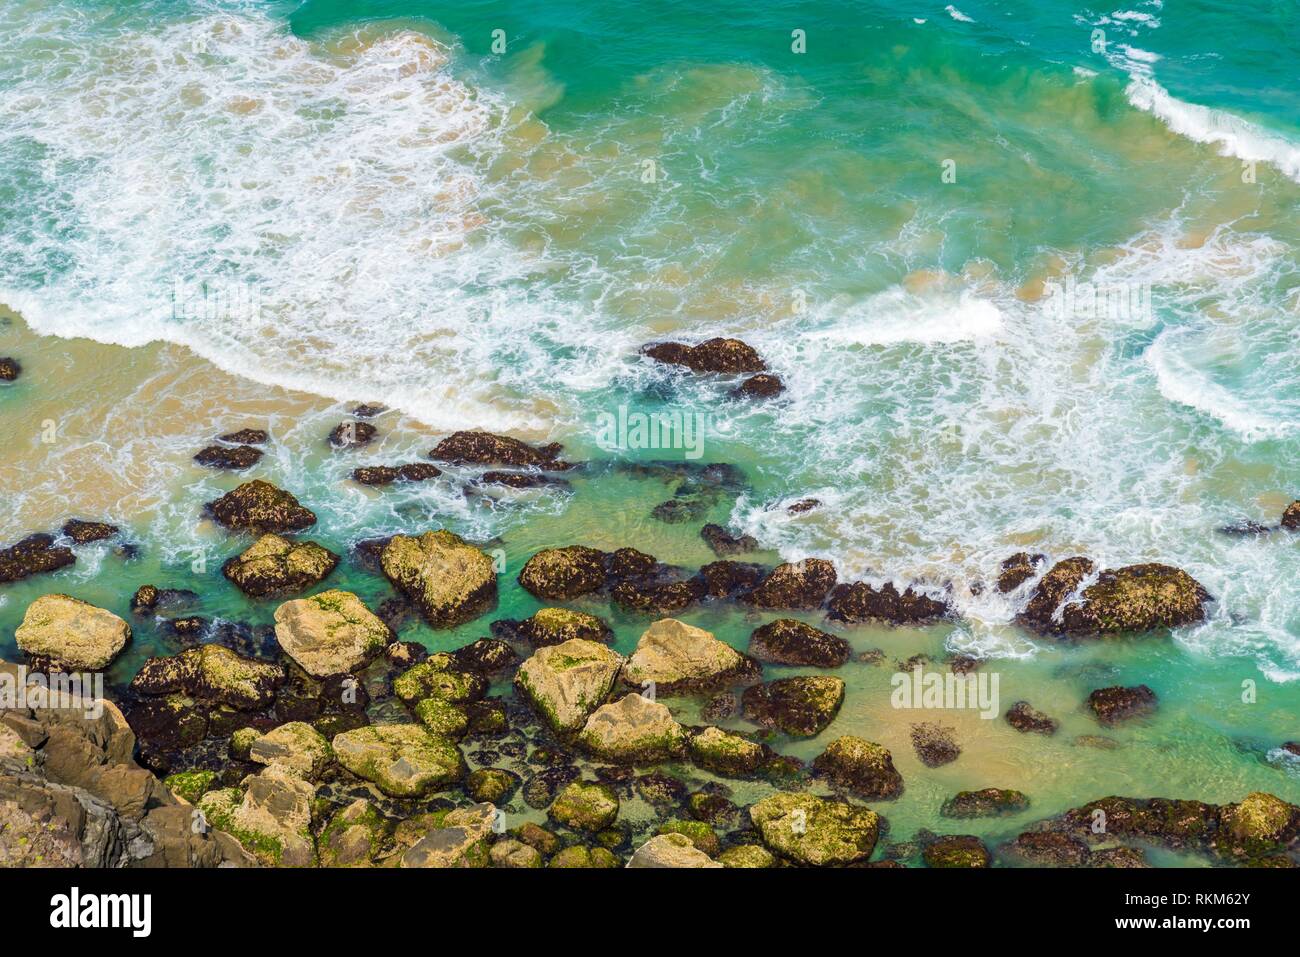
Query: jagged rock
pixel 33 555
pixel 585 806
pixel 859 602
pixel 1115 704
pixel 724 543
pixel 351 435
pixel 402 760
pixel 76 635
pixel 1026 718
pixel 274 565
pixel 624 563
pixel 261 507
pixel 486 656
pixel 387 474
pixel 353 836
pixel 861 767
pixel 802 707
pixel 725 753
pixel 633 730
pixel 567 682
pixel 485 448
pixel 934 744
pixel 815 832
pixel 554 626
pixel 729 356
pixel 331 633
pixel 795 585
pixel 462 841
pixel 1136 598
pixel 449 580
pixel 761 386
pixel 680 658
pixel 657 598
pixel 988 802
pixel 214 673
pixel 560 574
pixel 1052 589
pixel 151 597
pixel 956 850
pixel 670 850
pixel 1291 517
pixel 1018 569
pixel 270 816
pixel 540 789
pixel 790 642
pixel 83 532
pixel 296 747
pixel 661 791
pixel 234 457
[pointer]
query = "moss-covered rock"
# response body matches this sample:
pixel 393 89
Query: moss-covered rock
pixel 1018 569
pixel 402 760
pixel 443 718
pixel 462 841
pixel 580 856
pixel 986 802
pixel 492 785
pixel 514 854
pixel 354 836
pixel 670 850
pixel 72 633
pixel 725 753
pixel 585 806
pixel 212 673
pixel 1136 598
pixel 795 585
pixel 449 580
pixel 438 677
pixel 295 747
pixel 1176 824
pixel 241 742
pixel 1049 849
pixel 487 448
pixel 259 506
pixel 859 602
pixel 697 832
pixel 565 683
pixel 536 836
pixel 956 850
pixel 680 659
pixel 270 815
pixel 803 706
pixel 554 626
pixel 633 730
pixel 33 555
pixel 862 767
pixel 273 565
pixel 719 354
pixel 747 856
pixel 190 785
pixel 814 831
pixel 787 641
pixel 1259 825
pixel 559 574
pixel 331 633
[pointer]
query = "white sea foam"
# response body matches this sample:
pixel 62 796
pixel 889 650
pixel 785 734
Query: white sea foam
pixel 957 14
pixel 897 316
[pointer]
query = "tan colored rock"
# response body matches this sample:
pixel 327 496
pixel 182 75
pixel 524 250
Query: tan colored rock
pixel 295 747
pixel 670 850
pixel 633 730
pixel 403 760
pixel 270 817
pixel 681 658
pixel 275 565
pixel 76 634
pixel 568 681
pixel 448 579
pixel 331 633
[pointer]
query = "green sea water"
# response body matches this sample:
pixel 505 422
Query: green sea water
pixel 484 238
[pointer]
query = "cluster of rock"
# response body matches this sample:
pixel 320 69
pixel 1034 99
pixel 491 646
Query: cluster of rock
pixel 234 450
pixel 41 553
pixel 721 356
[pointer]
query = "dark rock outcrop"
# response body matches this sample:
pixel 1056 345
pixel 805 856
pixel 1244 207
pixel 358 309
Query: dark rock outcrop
pixel 934 744
pixel 82 532
pixel 1115 704
pixel 1026 718
pixel 730 356
pixel 276 566
pixel 761 386
pixel 234 457
pixel 387 474
pixel 10 369
pixel 261 507
pixel 1018 569
pixel 724 543
pixel 245 437
pixel 986 802
pixel 485 448
pixel 559 574
pixel 1052 589
pixel 800 707
pixel 1136 598
pixel 351 435
pixel 795 585
pixel 32 556
pixel 790 642
pixel 859 602
pixel 863 768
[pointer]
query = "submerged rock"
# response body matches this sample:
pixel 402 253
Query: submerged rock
pixel 713 355
pixel 82 532
pixel 261 507
pixel 861 767
pixel 559 574
pixel 670 850
pixel 795 585
pixel 680 658
pixel 485 448
pixel 486 656
pixel 934 744
pixel 1175 824
pixel 1026 718
pixel 234 457
pixel 633 730
pixel 71 633
pixel 402 760
pixel 815 832
pixel 449 580
pixel 761 386
pixel 387 474
pixel 724 543
pixel 859 602
pixel 567 682
pixel 1115 704
pixel 801 707
pixel 245 437
pixel 790 642
pixel 331 633
pixel 988 802
pixel 1049 849
pixel 214 673
pixel 956 850
pixel 32 556
pixel 274 565
pixel 657 598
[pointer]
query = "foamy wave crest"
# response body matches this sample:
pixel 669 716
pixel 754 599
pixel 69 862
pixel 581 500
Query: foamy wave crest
pixel 898 316
pixel 318 215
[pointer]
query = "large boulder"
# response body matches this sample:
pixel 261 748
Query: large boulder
pixel 34 555
pixel 795 585
pixel 814 831
pixel 861 767
pixel 485 448
pixel 212 673
pixel 332 633
pixel 801 706
pixel 296 747
pixel 859 602
pixel 585 806
pixel 451 581
pixel 461 841
pixel 269 814
pixel 353 836
pixel 553 626
pixel 682 659
pixel 670 850
pixel 276 566
pixel 633 730
pixel 402 760
pixel 725 753
pixel 259 506
pixel 790 642
pixel 1259 825
pixel 567 682
pixel 559 574
pixel 76 635
pixel 1136 598
pixel 439 677
pixel 83 532
pixel 730 356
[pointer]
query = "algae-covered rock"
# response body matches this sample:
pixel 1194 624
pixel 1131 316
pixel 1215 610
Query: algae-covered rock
pixel 795 585
pixel 486 448
pixel 554 626
pixel 567 682
pixel 190 785
pixel 559 574
pixel 585 806
pixel 462 841
pixel 212 673
pixel 790 642
pixel 438 677
pixel 34 555
pixel 443 718
pixel 1291 516
pixel 859 602
pixel 1027 719
pixel 986 802
pixel 579 856
pixel 747 856
pixel 680 658
pixel 270 815
pixel 1174 823
pixel 1115 704
pixel 331 633
pixel 449 580
pixel 514 854
pixel 261 507
pixel 1136 598
pixel 1049 849
pixel 1018 569
pixel 725 753
pixel 1260 824
pixel 670 850
pixel 295 747
pixel 719 354
pixel 956 850
pixel 697 832
pixel 815 831
pixel 353 837
pixel 402 760
pixel 492 785
pixel 633 730
pixel 1052 589
pixel 273 565
pixel 801 706
pixel 861 767
pixel 73 633
pixel 935 744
